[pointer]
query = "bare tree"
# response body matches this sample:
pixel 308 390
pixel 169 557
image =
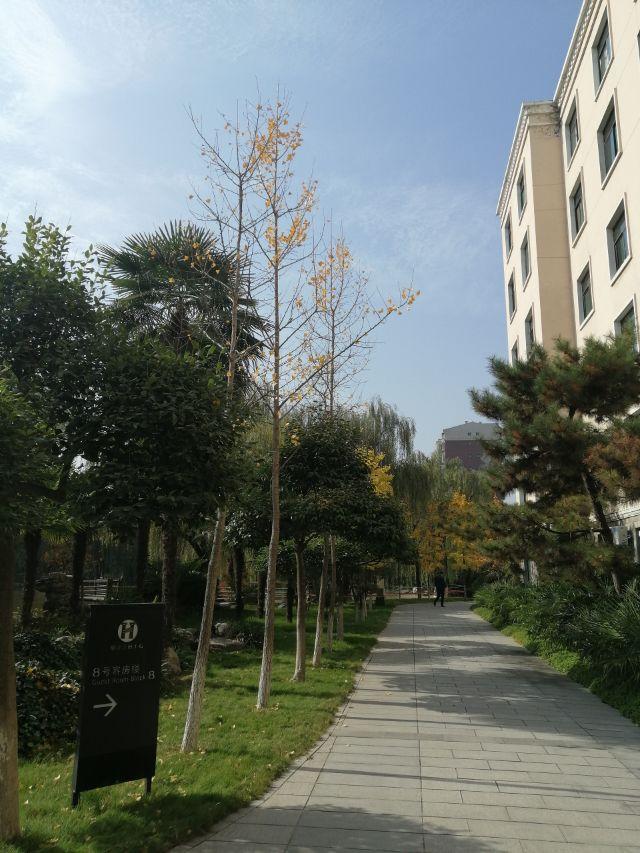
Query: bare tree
pixel 232 179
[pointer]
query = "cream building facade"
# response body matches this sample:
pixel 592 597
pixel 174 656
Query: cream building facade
pixel 569 206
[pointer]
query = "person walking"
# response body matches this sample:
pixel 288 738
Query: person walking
pixel 440 585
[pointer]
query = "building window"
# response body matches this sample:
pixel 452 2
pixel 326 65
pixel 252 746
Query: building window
pixel 514 353
pixel 511 293
pixel 626 324
pixel 529 333
pixel 577 209
pixel 585 295
pixel 572 131
pixel 525 258
pixel 608 140
pixel 602 53
pixel 521 192
pixel 508 238
pixel 618 240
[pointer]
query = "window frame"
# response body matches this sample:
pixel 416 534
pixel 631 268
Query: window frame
pixel 511 290
pixel 573 115
pixel 577 229
pixel 521 196
pixel 515 352
pixel 621 213
pixel 620 319
pixel 508 229
pixel 582 316
pixel 526 244
pixel 529 341
pixel 599 76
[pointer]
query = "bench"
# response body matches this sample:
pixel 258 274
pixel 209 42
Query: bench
pixel 100 589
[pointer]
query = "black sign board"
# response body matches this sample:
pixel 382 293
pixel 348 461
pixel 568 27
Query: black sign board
pixel 118 726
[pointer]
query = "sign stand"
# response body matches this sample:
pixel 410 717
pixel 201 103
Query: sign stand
pixel 119 702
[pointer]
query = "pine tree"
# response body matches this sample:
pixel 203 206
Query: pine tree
pixel 556 415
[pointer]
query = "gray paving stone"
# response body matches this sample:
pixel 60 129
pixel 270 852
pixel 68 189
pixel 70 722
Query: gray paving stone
pixel 455 740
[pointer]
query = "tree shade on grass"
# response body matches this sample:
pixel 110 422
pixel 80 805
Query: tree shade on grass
pixel 241 751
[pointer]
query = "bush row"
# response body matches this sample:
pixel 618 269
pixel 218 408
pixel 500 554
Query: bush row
pixel 601 626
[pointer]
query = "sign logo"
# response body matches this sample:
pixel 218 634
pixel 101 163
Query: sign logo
pixel 128 630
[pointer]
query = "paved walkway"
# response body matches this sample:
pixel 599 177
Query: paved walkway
pixel 454 740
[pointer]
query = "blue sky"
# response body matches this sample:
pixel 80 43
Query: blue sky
pixel 409 111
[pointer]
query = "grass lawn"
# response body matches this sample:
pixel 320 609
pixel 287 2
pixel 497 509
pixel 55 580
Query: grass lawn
pixel 241 752
pixel 623 697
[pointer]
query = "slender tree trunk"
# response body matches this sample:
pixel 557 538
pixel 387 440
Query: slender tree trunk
pixel 340 631
pixel 9 809
pixel 198 680
pixel 418 579
pixel 605 528
pixel 317 647
pixel 262 593
pixel 301 616
pixel 32 541
pixel 291 594
pixel 80 540
pixel 142 555
pixel 365 611
pixel 332 604
pixel 169 577
pixel 264 685
pixel 239 562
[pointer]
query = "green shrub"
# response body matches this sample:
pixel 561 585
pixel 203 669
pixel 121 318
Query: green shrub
pixel 610 635
pixel 47 707
pixel 47 688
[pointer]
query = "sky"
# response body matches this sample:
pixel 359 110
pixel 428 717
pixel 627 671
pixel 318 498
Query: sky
pixel 409 109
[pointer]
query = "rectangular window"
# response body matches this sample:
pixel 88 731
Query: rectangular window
pixel 508 239
pixel 529 333
pixel 626 324
pixel 573 132
pixel 609 140
pixel 514 353
pixel 585 295
pixel 619 240
pixel 577 209
pixel 525 259
pixel 511 291
pixel 521 192
pixel 602 53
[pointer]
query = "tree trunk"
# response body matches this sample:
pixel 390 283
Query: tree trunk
pixel 301 616
pixel 291 594
pixel 340 631
pixel 365 612
pixel 198 680
pixel 264 685
pixel 317 646
pixel 332 604
pixel 32 541
pixel 80 540
pixel 418 579
pixel 607 533
pixel 9 810
pixel 239 563
pixel 169 577
pixel 142 555
pixel 262 592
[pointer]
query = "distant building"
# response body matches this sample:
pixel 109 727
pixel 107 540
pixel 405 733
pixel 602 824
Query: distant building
pixel 463 442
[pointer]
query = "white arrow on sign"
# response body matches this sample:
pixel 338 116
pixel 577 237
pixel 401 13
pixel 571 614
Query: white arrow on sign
pixel 111 704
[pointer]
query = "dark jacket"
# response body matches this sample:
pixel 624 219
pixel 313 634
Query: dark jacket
pixel 440 583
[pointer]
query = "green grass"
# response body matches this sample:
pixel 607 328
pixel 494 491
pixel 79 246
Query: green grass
pixel 623 697
pixel 241 752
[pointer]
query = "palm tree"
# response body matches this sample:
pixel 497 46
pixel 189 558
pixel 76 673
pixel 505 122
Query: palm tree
pixel 176 284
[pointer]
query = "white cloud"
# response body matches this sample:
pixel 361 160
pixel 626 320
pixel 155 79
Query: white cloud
pixel 442 235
